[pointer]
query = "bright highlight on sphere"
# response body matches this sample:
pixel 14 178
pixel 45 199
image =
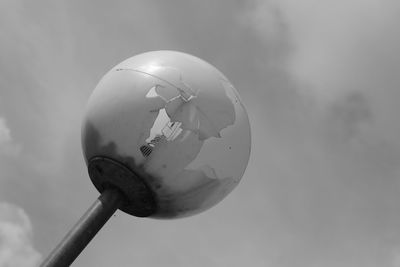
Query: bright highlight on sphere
pixel 177 124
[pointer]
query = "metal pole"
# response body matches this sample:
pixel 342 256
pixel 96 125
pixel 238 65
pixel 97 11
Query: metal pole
pixel 85 229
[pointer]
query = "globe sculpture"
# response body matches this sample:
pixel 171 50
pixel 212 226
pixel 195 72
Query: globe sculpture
pixel 165 135
pixel 170 131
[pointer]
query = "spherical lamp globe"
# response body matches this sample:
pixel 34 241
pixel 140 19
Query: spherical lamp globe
pixel 169 131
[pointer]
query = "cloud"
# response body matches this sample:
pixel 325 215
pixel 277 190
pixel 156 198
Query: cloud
pixel 342 58
pixel 335 46
pixel 5 135
pixel 7 145
pixel 16 248
pixel 336 163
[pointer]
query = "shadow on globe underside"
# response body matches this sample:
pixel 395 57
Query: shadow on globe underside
pixel 167 203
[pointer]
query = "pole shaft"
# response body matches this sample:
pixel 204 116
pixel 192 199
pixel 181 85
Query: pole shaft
pixel 85 229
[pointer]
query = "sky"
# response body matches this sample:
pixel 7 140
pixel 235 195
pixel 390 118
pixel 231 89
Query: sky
pixel 320 83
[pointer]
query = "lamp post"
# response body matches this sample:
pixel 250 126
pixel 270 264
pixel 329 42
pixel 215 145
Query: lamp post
pixel 165 135
pixel 85 229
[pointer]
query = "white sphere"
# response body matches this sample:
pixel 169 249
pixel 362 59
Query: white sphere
pixel 170 131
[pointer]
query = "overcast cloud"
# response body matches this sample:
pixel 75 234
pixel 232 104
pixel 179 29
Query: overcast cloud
pixel 16 238
pixel 320 82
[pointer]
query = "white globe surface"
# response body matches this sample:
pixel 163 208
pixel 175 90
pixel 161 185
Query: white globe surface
pixel 177 123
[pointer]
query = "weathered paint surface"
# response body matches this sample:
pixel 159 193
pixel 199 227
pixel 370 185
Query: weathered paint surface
pixel 175 121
